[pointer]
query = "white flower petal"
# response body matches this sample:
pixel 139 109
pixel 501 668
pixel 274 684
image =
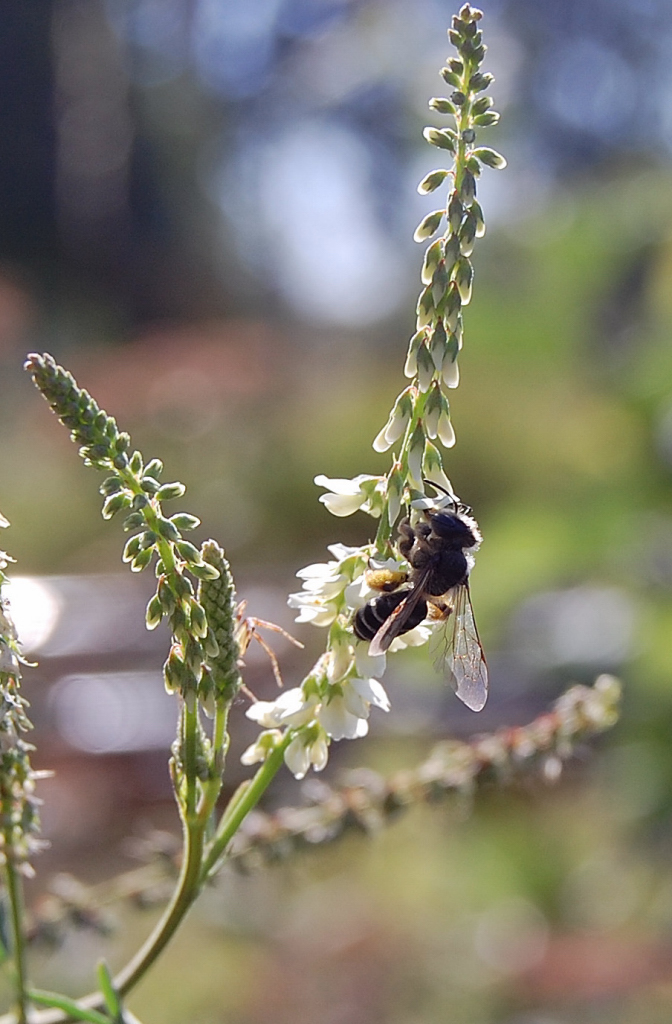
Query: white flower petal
pixel 373 691
pixel 414 638
pixel 337 721
pixel 262 712
pixel 339 662
pixel 354 702
pixel 339 485
pixel 366 665
pixel 342 551
pixel 319 753
pixel 297 758
pixel 343 504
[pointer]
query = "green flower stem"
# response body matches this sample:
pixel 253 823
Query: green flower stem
pixel 15 894
pixel 242 803
pixel 69 1007
pixel 220 744
pixel 190 726
pixel 184 896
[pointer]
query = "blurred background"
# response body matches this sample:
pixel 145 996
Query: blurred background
pixel 206 211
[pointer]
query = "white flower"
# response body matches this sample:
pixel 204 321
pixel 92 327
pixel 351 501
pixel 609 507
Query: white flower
pixel 397 422
pixel 414 638
pixel 371 691
pixel 339 722
pixel 302 753
pixel 341 552
pixel 322 578
pixel 345 712
pixel 346 496
pixel 313 609
pixel 259 751
pixel 339 660
pixel 445 430
pixel 365 664
pixel 292 708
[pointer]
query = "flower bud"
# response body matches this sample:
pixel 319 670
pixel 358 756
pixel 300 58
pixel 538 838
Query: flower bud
pixel 395 487
pixel 481 105
pixel 480 81
pixel 467 188
pixel 451 308
pixel 490 157
pixel 173 490
pixel 411 365
pixel 185 521
pixel 480 221
pixel 433 410
pixel 425 368
pixel 449 77
pixel 445 429
pixel 432 181
pixel 441 105
pixel 429 225
pixel 442 138
pixel 416 452
pixel 432 257
pixel 464 276
pixel 154 612
pixel 425 307
pixel 398 420
pixel 468 232
pixel 455 212
pixel 437 345
pixel 449 370
pixel 114 503
pixel 432 468
pixel 487 119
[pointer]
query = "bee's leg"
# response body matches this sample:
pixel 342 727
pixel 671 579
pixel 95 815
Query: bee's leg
pixel 439 610
pixel 406 538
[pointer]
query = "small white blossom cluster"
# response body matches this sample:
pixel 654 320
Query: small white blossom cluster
pixel 335 700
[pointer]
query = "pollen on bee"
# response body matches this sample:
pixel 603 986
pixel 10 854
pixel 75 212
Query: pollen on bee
pixel 438 611
pixel 384 579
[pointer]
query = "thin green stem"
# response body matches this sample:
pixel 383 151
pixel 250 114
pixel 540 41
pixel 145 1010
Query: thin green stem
pixel 15 893
pixel 190 727
pixel 241 805
pixel 183 898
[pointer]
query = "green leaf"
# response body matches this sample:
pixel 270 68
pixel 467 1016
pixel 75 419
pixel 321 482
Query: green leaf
pixel 110 994
pixel 69 1006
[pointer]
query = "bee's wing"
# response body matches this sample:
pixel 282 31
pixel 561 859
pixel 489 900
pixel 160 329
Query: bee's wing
pixel 394 623
pixel 463 659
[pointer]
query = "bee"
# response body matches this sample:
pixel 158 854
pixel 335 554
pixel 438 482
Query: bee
pixel 437 550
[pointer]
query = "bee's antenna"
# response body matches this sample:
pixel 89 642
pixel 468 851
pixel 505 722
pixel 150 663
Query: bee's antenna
pixel 439 487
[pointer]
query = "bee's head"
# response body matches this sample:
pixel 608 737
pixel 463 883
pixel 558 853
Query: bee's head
pixel 460 530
